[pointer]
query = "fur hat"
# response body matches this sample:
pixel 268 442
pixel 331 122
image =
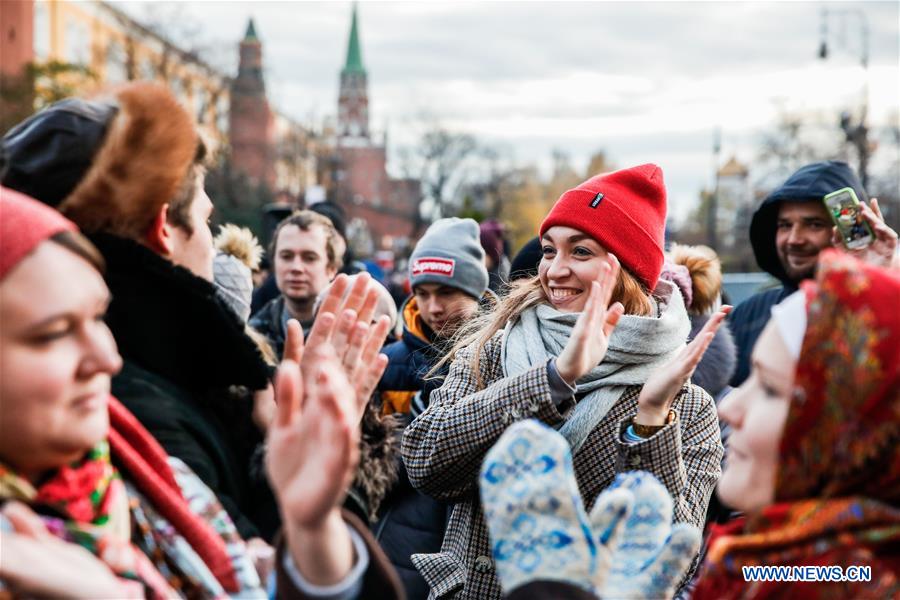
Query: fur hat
pixel 122 158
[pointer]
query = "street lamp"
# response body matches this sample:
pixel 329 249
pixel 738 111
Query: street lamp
pixel 856 133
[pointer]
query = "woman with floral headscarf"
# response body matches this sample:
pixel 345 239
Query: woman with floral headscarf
pixel 812 459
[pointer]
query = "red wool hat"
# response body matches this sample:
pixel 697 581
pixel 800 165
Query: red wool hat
pixel 625 211
pixel 24 224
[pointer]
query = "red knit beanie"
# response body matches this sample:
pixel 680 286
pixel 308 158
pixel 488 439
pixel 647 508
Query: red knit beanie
pixel 625 212
pixel 24 224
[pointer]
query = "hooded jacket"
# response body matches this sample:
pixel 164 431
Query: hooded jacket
pixel 809 184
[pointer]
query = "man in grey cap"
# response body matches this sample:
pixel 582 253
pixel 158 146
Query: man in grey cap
pixel 448 277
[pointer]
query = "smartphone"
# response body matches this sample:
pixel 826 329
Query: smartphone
pixel 846 212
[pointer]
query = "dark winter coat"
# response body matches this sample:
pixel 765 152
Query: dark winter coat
pixel 271 321
pixel 410 522
pixel 810 184
pixel 184 353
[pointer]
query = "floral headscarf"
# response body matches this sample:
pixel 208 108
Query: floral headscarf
pixel 843 427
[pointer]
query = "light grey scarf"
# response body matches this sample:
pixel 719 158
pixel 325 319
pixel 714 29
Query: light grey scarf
pixel 637 347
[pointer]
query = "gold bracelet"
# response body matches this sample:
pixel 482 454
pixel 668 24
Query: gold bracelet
pixel 646 431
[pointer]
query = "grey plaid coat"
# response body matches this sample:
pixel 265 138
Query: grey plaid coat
pixel 444 447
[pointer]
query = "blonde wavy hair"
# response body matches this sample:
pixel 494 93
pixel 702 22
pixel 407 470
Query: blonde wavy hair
pixel 523 295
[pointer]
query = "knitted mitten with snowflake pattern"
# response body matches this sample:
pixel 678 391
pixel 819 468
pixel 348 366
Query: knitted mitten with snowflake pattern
pixel 537 523
pixel 652 555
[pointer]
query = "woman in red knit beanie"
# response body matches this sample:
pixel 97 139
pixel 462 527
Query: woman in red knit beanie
pixel 92 506
pixel 594 346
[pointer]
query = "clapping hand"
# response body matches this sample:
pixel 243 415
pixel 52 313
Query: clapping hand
pixel 664 384
pixel 590 337
pixel 351 338
pixel 321 390
pixel 882 250
pixel 651 555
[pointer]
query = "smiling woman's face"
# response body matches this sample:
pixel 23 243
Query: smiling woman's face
pixel 571 261
pixel 57 357
pixel 757 412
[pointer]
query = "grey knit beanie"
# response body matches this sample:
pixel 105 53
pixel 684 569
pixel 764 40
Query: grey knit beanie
pixel 450 253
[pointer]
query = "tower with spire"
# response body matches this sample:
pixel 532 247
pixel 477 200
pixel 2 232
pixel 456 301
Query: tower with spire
pixel 353 99
pixel 382 207
pixel 251 130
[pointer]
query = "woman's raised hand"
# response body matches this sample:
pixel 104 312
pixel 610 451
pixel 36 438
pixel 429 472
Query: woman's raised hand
pixel 590 337
pixel 312 445
pixel 664 384
pixel 312 452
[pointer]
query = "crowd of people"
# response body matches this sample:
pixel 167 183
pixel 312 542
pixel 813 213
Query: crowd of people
pixel 585 419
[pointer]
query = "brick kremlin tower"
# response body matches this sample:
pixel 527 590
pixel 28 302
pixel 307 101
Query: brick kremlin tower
pixel 353 101
pixel 386 207
pixel 251 124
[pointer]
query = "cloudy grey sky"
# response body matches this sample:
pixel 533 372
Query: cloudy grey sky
pixel 644 81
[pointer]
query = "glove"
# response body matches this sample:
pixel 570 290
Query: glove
pixel 538 526
pixel 651 556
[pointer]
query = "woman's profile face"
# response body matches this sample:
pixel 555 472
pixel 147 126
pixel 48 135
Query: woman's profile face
pixel 571 260
pixel 757 412
pixel 57 357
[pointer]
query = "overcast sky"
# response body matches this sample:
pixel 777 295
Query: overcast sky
pixel 644 81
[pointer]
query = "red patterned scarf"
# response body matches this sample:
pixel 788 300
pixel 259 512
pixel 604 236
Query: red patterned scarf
pixel 91 500
pixel 90 508
pixel 145 463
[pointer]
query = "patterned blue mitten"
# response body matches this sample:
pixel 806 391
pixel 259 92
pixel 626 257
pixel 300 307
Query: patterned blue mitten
pixel 652 555
pixel 539 529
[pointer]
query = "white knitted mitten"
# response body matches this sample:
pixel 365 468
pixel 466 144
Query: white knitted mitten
pixel 539 529
pixel 652 555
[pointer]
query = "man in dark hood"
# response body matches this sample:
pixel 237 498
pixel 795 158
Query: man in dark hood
pixel 788 231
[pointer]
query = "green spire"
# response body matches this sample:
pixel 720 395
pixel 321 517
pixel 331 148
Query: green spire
pixel 354 54
pixel 250 36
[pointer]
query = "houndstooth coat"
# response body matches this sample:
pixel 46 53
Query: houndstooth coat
pixel 444 447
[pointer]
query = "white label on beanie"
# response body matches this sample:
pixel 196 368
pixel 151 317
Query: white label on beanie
pixel 433 266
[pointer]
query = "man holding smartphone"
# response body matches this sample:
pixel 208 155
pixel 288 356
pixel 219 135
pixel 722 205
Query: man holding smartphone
pixel 788 231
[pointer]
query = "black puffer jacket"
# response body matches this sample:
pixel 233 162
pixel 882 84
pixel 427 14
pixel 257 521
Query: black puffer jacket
pixel 185 353
pixel 809 184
